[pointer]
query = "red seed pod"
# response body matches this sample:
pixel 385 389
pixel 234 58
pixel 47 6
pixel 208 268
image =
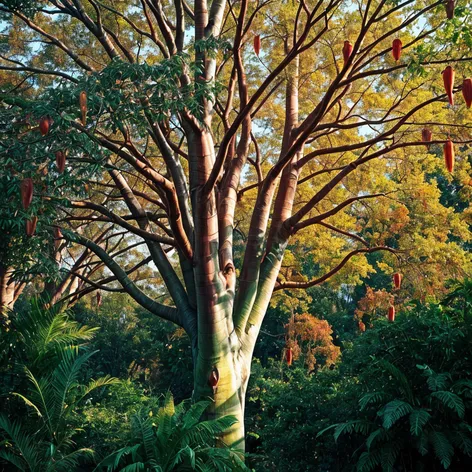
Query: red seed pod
pixel 99 299
pixel 426 136
pixel 347 51
pixel 26 193
pixel 61 161
pixel 391 313
pixel 448 79
pixel 449 155
pixel 257 44
pixel 214 378
pixel 83 107
pixel 361 326
pixel 450 4
pixel 45 123
pixel 467 92
pixel 289 356
pixel 57 237
pixel 397 49
pixel 83 99
pixel 31 226
pixel 397 280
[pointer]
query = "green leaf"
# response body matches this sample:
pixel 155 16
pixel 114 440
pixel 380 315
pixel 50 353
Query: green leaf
pixel 393 411
pixel 442 448
pixel 418 418
pixel 451 400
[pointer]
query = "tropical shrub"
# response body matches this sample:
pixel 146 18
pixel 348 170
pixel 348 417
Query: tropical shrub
pixel 176 440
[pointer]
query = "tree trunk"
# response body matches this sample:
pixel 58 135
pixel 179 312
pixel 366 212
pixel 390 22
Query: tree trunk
pixel 9 290
pixel 229 394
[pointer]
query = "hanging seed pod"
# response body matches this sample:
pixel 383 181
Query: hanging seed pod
pixel 391 314
pixel 31 226
pixel 61 161
pixel 397 280
pixel 26 192
pixel 83 107
pixel 45 124
pixel 426 136
pixel 214 378
pixel 57 237
pixel 361 327
pixel 450 5
pixel 448 79
pixel 289 356
pixel 397 49
pixel 449 155
pixel 467 92
pixel 347 51
pixel 99 299
pixel 257 44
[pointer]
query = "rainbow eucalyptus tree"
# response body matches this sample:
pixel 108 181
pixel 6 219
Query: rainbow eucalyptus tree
pixel 189 154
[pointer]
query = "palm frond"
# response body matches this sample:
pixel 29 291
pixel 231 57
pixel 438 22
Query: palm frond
pixel 195 412
pixel 112 461
pixel 13 459
pixel 164 417
pixel 143 429
pixel 21 440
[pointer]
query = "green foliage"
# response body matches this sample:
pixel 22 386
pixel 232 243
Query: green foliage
pixel 400 400
pixel 175 440
pixel 48 348
pixel 137 345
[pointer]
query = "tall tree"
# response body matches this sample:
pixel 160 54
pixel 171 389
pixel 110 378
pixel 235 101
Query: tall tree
pixel 210 161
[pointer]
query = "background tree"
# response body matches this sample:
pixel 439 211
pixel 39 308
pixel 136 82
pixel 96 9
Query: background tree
pixel 210 164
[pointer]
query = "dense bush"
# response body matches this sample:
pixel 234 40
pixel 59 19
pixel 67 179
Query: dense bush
pixel 394 374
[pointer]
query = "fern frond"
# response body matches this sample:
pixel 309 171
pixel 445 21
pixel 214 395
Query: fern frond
pixel 368 461
pixel 380 434
pixel 393 411
pixel 418 418
pixel 463 441
pixel 442 448
pixel 438 381
pixel 451 400
pixel 372 397
pixel 355 426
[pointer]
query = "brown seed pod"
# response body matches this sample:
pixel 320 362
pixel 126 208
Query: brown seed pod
pixel 31 226
pixel 26 193
pixel 61 161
